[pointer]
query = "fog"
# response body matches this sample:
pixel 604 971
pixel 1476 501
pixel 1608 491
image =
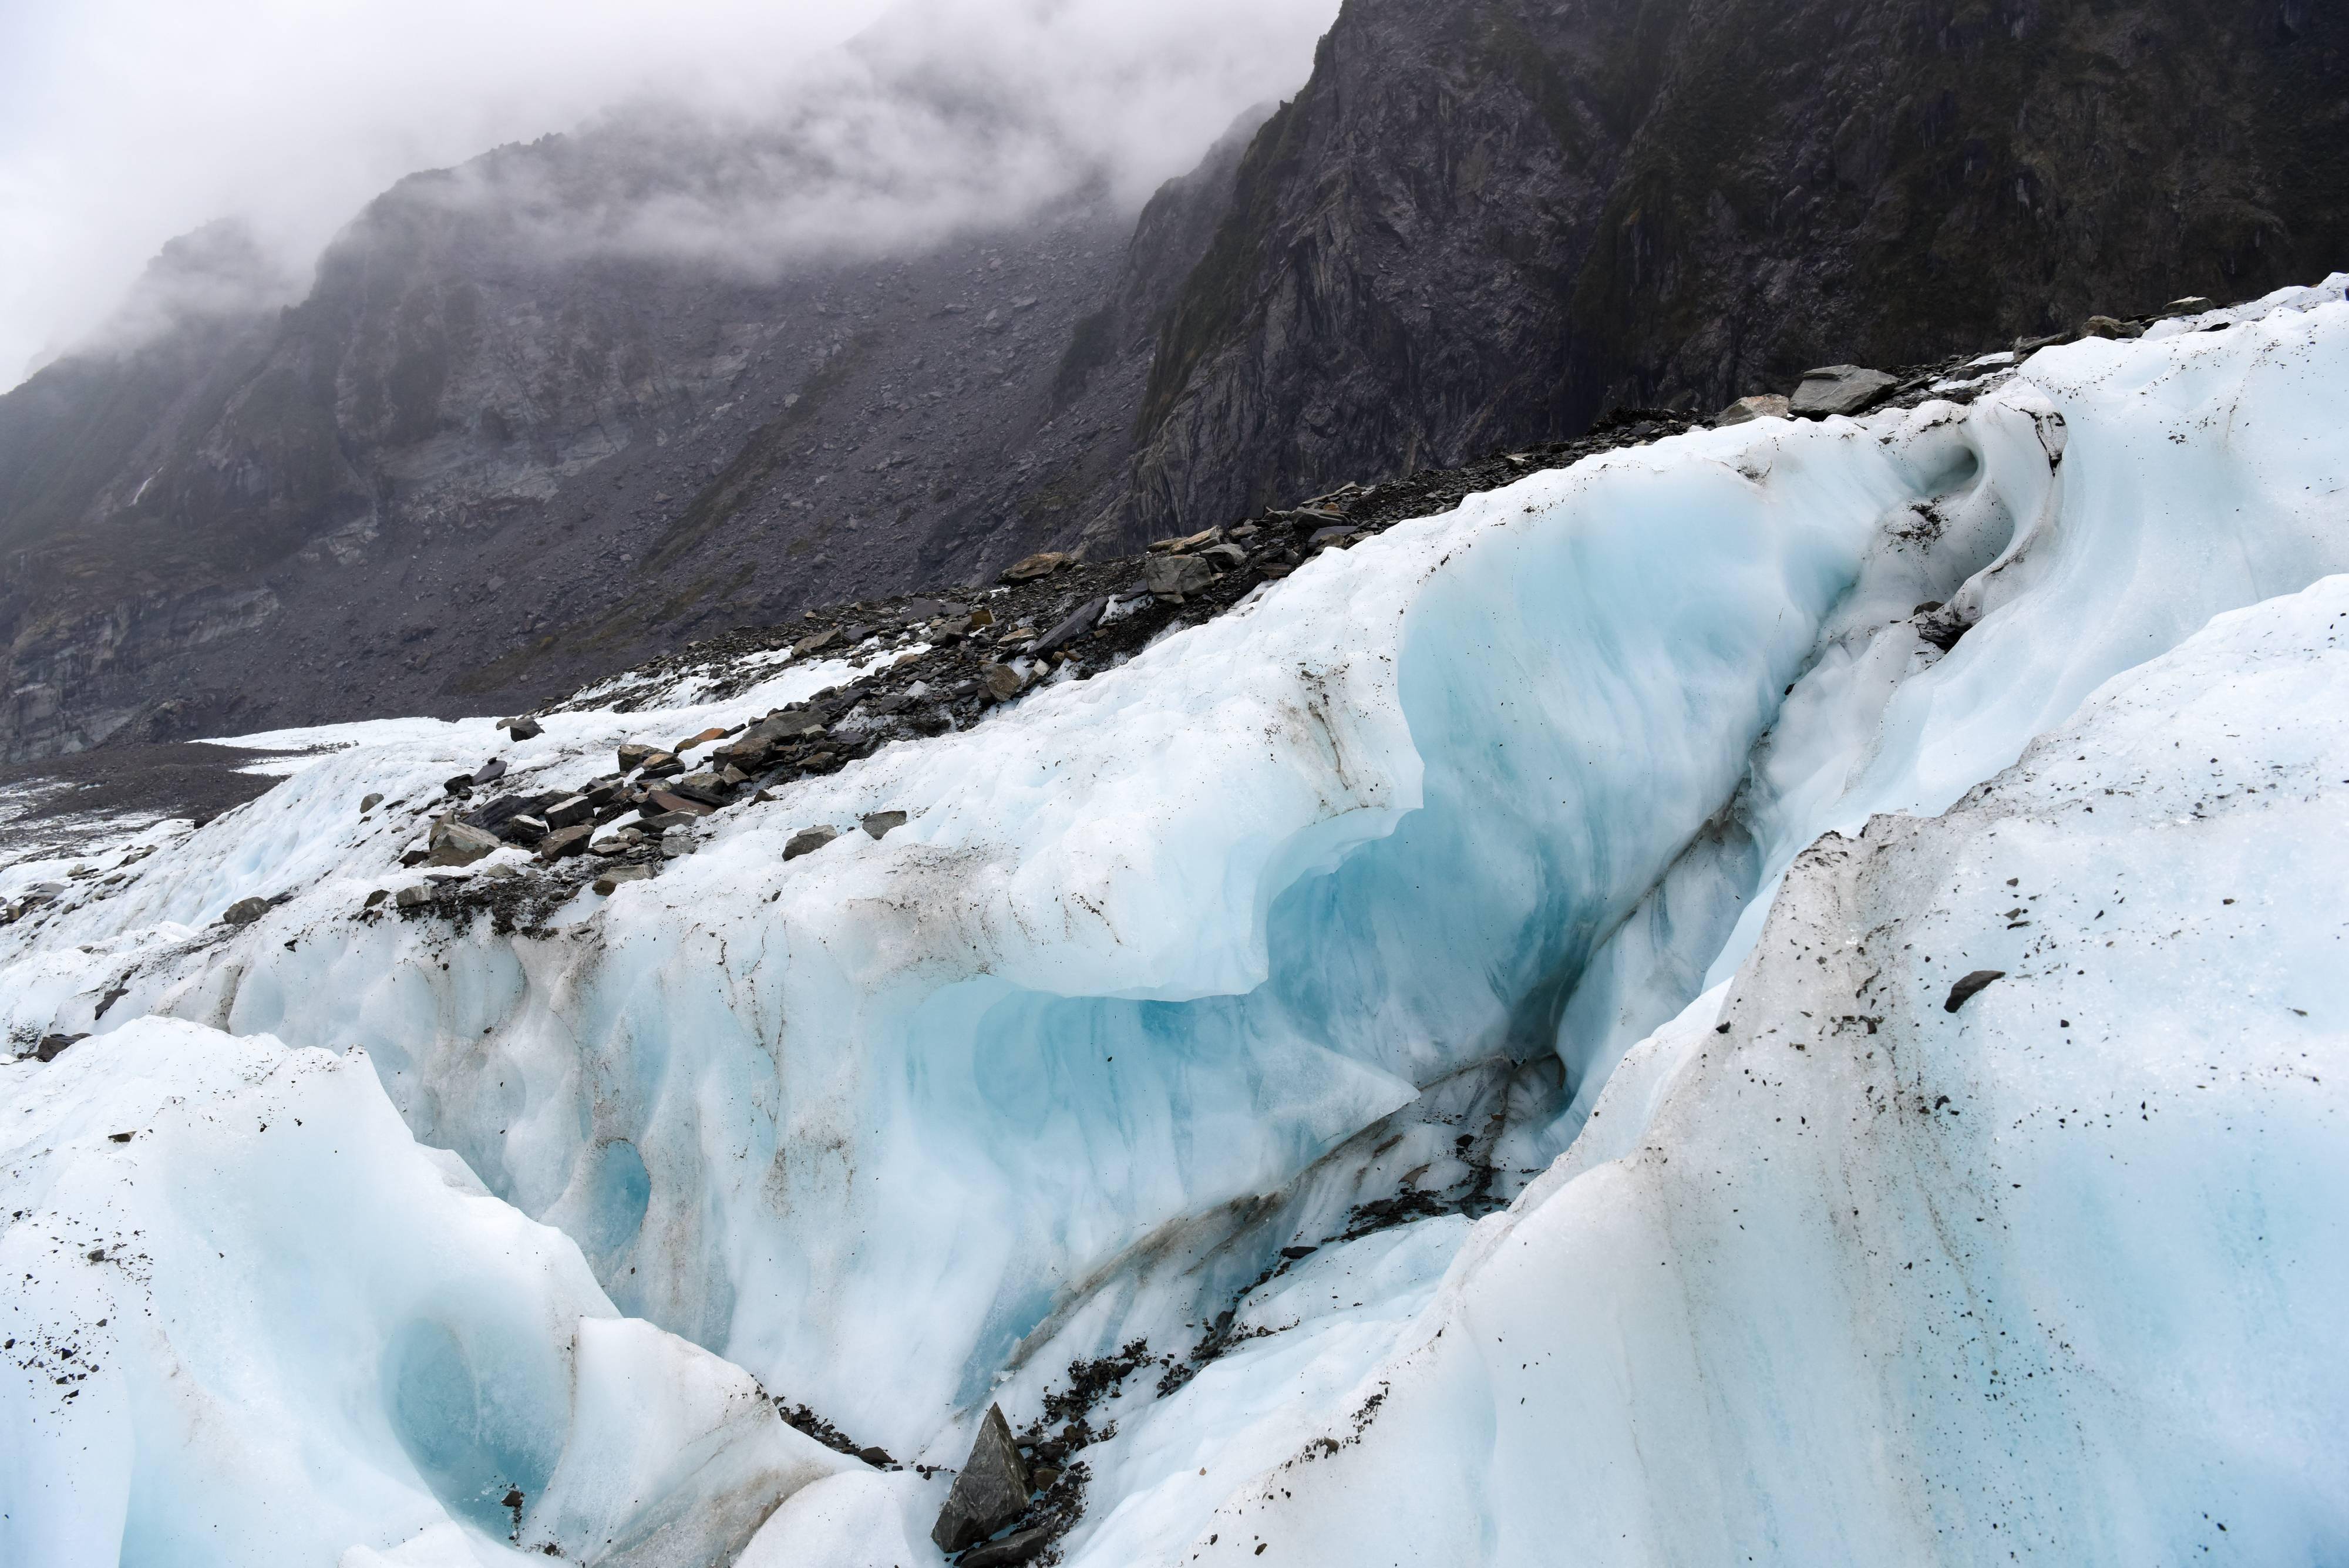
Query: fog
pixel 739 134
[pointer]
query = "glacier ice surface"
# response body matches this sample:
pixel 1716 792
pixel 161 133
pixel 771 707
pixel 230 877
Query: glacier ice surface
pixel 1339 909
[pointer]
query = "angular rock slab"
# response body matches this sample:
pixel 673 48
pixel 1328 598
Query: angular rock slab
pixel 990 1492
pixel 1839 389
pixel 1762 406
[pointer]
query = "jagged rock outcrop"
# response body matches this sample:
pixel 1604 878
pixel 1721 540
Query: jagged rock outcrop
pixel 1481 224
pixel 474 465
pixel 470 467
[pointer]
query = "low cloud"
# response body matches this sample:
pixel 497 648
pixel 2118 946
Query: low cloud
pixel 737 134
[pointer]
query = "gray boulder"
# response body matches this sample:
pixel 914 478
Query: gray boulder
pixel 1019 1547
pixel 1839 389
pixel 565 841
pixel 1762 406
pixel 707 788
pixel 1174 577
pixel 610 880
pixel 990 1492
pixel 53 1046
pixel 523 729
pixel 458 844
pixel 568 812
pixel 669 802
pixel 879 823
pixel 1000 681
pixel 808 842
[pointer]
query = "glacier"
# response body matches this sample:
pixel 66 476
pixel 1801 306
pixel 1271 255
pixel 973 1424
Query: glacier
pixel 1524 935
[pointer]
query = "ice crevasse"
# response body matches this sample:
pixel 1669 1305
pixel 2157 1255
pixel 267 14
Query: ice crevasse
pixel 1336 911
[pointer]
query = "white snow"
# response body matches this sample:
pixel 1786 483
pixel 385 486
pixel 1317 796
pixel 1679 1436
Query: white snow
pixel 1347 904
pixel 249 1320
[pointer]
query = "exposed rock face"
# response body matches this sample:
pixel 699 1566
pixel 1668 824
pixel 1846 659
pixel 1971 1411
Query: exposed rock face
pixel 1481 223
pixel 469 470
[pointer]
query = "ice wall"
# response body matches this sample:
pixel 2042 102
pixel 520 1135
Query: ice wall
pixel 1850 1277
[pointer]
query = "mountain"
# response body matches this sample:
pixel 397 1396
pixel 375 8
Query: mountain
pixel 1479 224
pixel 475 464
pixel 502 443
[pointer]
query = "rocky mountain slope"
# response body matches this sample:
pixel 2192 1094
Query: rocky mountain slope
pixel 1483 222
pixel 473 467
pixel 460 475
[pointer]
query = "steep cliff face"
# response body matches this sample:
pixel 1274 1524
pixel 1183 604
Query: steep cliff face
pixel 1481 223
pixel 450 475
pixel 479 462
pixel 483 460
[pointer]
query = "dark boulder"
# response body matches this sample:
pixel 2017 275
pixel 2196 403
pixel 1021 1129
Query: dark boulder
pixel 673 803
pixel 1839 389
pixel 1968 988
pixel 808 842
pixel 499 815
pixel 991 1491
pixel 610 880
pixel 244 911
pixel 1000 682
pixel 564 841
pixel 707 788
pixel 1083 619
pixel 1174 577
pixel 1019 1547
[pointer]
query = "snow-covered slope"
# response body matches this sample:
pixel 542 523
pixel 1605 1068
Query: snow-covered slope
pixel 1245 977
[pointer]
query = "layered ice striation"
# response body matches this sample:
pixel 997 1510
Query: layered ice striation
pixel 1325 925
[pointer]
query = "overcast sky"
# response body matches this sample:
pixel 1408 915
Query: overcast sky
pixel 124 122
